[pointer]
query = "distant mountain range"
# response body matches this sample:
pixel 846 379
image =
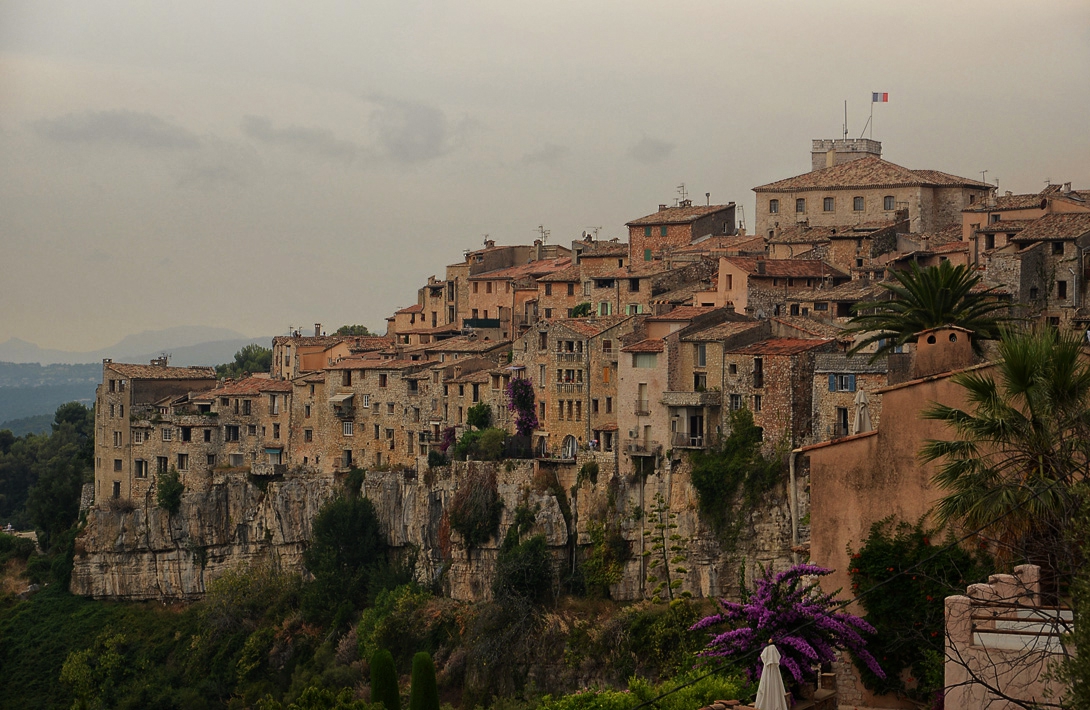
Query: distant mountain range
pixel 187 345
pixel 35 381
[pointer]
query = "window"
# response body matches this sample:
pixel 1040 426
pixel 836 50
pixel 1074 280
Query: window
pixel 346 455
pixel 644 360
pixel 207 435
pixel 138 437
pixel 117 438
pixel 366 401
pixel 548 289
pixel 276 431
pixel 183 462
pixel 700 382
pixel 646 257
pixel 662 231
pixel 828 204
pixel 989 241
pixel 306 411
pixel 571 289
pixel 252 430
pixel 347 428
pixel 773 206
pixel 607 346
pixel 888 203
pixel 168 433
pixel 594 406
pixel 578 410
pixel 382 379
pixel 548 313
pixel 1033 292
pixel 605 308
pixel 701 354
pixel 274 404
pixel 733 368
pixel 488 287
pixel 857 204
pixel 308 434
pixel 389 433
pixel 1058 248
pixel 210 460
pixel 756 402
pixel 476 393
pixel 111 410
pixel 800 205
pixel 187 433
pixel 113 385
pixel 1061 289
pixel 586 284
pixel 476 285
pixel 247 407
pixel 841 427
pixel 230 433
pixel 841 382
pixel 141 468
pixel 609 405
pixel 117 489
pixel 633 285
pixel 161 464
pixel 758 372
pixel 541 411
pixel 117 464
pixel 647 231
pixel 735 402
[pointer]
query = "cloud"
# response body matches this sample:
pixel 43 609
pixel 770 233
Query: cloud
pixel 651 150
pixel 548 154
pixel 411 132
pixel 320 142
pixel 142 130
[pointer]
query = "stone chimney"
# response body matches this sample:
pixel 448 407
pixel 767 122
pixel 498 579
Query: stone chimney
pixel 160 361
pixel 662 207
pixel 317 329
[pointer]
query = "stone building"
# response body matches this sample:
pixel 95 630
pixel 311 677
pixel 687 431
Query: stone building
pixel 1054 199
pixel 867 189
pixel 672 227
pixel 296 353
pixel 838 380
pixel 573 365
pixel 762 287
pixel 128 413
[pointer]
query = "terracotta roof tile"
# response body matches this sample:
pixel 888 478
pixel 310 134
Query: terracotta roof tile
pixel 155 372
pixel 787 268
pixel 810 326
pixel 681 313
pixel 534 268
pixel 779 346
pixel 415 308
pixel 356 363
pixel 603 249
pixel 679 215
pixel 250 386
pixel 570 274
pixel 1071 225
pixel 590 327
pixel 854 290
pixel 866 172
pixel 1006 225
pixel 651 345
pixel 720 331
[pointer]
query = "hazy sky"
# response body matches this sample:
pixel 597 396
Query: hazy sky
pixel 256 165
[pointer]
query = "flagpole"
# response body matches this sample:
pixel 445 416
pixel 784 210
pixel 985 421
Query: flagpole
pixel 871 121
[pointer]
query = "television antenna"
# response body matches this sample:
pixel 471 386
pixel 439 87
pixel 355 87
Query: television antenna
pixel 544 233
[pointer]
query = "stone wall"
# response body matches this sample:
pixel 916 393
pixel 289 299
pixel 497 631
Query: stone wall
pixel 147 553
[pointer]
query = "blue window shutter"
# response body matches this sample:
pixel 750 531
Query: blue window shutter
pixel 832 383
pixel 851 383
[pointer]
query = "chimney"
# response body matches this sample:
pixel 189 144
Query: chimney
pixel 760 266
pixel 1008 193
pixel 1067 188
pixel 317 329
pixel 662 207
pixel 830 158
pixel 107 360
pixel 160 361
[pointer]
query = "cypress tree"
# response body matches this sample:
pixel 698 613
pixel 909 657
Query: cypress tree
pixel 384 680
pixel 423 693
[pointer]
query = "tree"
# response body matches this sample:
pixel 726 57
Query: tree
pixel 520 399
pixel 667 555
pixel 345 546
pixel 423 690
pixel 479 416
pixel 60 464
pixel 168 491
pixel 790 610
pixel 928 298
pixel 581 310
pixel 1019 448
pixel 384 688
pixel 252 358
pixel 360 330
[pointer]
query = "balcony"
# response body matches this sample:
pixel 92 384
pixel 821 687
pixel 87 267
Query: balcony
pixel 643 407
pixel 570 357
pixel 481 323
pixel 569 387
pixel 685 440
pixel 643 448
pixel 266 469
pixel 692 399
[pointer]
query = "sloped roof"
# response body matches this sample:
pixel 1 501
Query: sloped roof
pixel 720 331
pixel 854 290
pixel 590 327
pixel 810 326
pixel 651 345
pixel 1071 225
pixel 779 346
pixel 604 249
pixel 357 363
pixel 681 313
pixel 786 268
pixel 569 274
pixel 867 172
pixel 533 268
pixel 415 308
pixel 155 372
pixel 250 386
pixel 839 362
pixel 679 215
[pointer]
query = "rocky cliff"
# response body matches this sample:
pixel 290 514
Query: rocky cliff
pixel 147 553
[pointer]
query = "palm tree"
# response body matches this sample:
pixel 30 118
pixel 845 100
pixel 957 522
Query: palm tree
pixel 928 298
pixel 1021 447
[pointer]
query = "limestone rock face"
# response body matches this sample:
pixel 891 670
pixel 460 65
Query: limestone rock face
pixel 148 553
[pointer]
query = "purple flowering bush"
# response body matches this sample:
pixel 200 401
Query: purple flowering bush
pixel 802 621
pixel 520 399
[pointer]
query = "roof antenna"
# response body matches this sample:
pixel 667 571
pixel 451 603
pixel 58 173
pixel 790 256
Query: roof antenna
pixel 544 233
pixel 845 119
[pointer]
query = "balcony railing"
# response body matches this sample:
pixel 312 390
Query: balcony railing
pixel 643 407
pixel 570 357
pixel 642 448
pixel 569 387
pixel 692 399
pixel 685 440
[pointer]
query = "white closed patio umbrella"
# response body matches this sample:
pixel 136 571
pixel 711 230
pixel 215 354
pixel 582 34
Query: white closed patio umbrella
pixel 771 694
pixel 862 413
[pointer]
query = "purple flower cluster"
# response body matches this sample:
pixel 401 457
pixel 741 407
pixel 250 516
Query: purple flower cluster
pixel 802 621
pixel 520 399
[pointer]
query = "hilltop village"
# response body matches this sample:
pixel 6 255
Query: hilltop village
pixel 636 351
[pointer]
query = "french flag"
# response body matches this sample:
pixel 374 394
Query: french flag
pixel 879 98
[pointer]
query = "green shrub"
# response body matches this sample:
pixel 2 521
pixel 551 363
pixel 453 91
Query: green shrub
pixel 406 620
pixel 423 692
pixel 168 491
pixel 479 416
pixel 523 569
pixel 346 545
pixel 476 509
pixel 436 459
pixel 384 681
pixel 353 482
pixel 12 546
pixel 486 445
